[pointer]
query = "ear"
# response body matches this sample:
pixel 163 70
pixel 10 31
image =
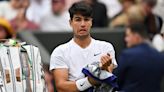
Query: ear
pixel 91 22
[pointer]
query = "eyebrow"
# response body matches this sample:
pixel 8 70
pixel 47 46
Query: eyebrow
pixel 77 17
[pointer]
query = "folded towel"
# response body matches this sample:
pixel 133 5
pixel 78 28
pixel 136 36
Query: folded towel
pixel 107 79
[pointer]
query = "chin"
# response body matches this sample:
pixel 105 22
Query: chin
pixel 83 36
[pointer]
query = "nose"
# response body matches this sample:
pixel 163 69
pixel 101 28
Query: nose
pixel 82 23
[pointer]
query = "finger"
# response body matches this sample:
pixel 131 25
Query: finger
pixel 108 54
pixel 106 58
pixel 109 60
pixel 103 61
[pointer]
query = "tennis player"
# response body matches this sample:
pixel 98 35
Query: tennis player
pixel 67 60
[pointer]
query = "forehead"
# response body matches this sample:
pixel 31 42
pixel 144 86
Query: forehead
pixel 79 16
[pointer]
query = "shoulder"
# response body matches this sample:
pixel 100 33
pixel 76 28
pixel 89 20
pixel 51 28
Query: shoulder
pixel 103 43
pixel 104 46
pixel 131 51
pixel 33 25
pixel 140 50
pixel 48 14
pixel 66 13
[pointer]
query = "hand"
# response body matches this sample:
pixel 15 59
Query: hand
pixel 110 68
pixel 93 82
pixel 106 62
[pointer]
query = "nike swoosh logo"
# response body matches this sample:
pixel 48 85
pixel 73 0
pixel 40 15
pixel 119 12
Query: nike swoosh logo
pixel 82 84
pixel 97 54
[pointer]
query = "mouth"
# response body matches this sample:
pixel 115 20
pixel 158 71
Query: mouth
pixel 83 30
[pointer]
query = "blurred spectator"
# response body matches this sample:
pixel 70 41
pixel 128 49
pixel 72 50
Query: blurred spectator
pixel 113 7
pixel 6 31
pixel 158 42
pixel 10 9
pixel 152 21
pixel 20 22
pixel 70 2
pixel 57 19
pixel 135 14
pixel 122 18
pixel 37 9
pixel 140 67
pixel 100 18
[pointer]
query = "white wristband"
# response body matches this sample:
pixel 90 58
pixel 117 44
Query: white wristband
pixel 83 84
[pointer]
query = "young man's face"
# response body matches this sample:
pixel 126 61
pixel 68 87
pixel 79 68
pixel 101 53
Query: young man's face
pixel 131 38
pixel 81 25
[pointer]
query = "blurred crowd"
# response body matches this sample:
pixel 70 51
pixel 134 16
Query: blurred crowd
pixel 52 15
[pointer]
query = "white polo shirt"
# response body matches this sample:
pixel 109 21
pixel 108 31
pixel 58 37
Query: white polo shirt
pixel 72 57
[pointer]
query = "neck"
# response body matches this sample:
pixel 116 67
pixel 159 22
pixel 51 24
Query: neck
pixel 142 41
pixel 83 42
pixel 21 19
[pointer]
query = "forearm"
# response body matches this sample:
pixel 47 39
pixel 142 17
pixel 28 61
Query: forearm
pixel 67 86
pixel 70 86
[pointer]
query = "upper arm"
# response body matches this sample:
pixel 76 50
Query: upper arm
pixel 60 70
pixel 60 76
pixel 61 81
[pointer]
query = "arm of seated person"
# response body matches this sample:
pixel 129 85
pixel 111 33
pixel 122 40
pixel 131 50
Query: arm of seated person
pixel 64 85
pixel 61 81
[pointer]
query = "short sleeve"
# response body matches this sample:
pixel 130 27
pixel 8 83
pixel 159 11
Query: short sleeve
pixel 57 59
pixel 110 49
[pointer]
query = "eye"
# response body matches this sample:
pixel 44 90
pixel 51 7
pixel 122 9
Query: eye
pixel 77 19
pixel 87 19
